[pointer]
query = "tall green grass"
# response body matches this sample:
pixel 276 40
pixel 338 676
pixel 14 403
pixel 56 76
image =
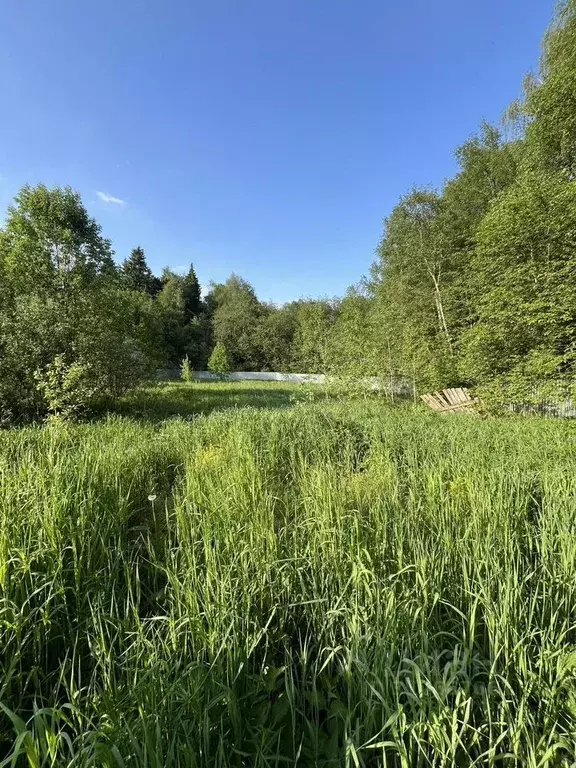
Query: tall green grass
pixel 327 585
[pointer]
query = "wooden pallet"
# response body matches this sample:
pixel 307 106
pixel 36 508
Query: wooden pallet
pixel 457 400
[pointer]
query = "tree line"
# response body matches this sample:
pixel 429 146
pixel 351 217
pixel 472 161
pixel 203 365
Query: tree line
pixel 77 329
pixel 473 283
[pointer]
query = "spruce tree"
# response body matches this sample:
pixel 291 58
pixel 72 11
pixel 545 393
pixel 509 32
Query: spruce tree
pixel 138 275
pixel 191 294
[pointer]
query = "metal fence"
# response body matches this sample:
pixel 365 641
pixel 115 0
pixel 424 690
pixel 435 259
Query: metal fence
pixel 398 387
pixel 563 409
pixel 172 374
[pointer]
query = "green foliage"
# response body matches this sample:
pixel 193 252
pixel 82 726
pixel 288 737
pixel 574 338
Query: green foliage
pixel 314 322
pixel 137 275
pixel 472 283
pixel 487 168
pixel 191 295
pixel 413 291
pixel 424 292
pixel 170 302
pixel 236 313
pixel 185 321
pixel 186 370
pixel 335 583
pixel 49 244
pixel 350 362
pixel 551 99
pixel 154 403
pixel 68 389
pixel 309 584
pixel 274 337
pixel 29 334
pixel 121 338
pixel 524 338
pixel 64 305
pixel 219 362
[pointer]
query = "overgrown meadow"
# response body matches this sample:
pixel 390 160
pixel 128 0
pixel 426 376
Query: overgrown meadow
pixel 320 584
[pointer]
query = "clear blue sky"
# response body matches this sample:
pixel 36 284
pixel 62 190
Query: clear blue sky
pixel 265 137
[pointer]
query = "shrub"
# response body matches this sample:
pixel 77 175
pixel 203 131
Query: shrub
pixel 67 388
pixel 186 372
pixel 218 362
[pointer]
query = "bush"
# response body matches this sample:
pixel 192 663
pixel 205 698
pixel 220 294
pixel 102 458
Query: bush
pixel 67 388
pixel 218 362
pixel 186 372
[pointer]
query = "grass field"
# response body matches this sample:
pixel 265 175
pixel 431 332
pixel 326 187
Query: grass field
pixel 175 399
pixel 319 584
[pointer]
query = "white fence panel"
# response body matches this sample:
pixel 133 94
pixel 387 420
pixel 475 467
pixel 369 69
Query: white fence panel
pixel 294 378
pixel 399 387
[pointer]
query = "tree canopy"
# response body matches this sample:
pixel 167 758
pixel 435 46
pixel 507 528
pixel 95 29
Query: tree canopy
pixel 473 282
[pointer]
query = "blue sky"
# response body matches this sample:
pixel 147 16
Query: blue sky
pixel 265 137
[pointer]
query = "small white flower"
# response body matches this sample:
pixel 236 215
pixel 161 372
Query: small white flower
pixel 152 497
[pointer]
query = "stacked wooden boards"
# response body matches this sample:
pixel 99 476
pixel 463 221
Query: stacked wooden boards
pixel 456 400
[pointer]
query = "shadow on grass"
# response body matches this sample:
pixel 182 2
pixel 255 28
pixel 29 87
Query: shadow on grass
pixel 160 401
